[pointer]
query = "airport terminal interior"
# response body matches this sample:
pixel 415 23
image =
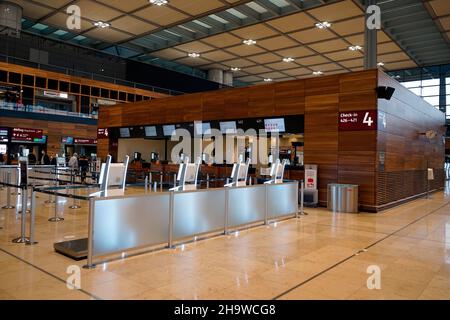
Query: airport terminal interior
pixel 225 150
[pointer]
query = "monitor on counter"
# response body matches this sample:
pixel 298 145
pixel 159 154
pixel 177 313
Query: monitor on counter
pixel 3 149
pixel 150 131
pixel 202 128
pixel 228 127
pixel 169 130
pixel 125 132
pixel 274 125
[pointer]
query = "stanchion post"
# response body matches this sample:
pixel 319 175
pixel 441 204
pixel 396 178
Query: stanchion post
pixel 56 218
pixel 32 218
pixel 302 199
pixel 207 181
pixel 146 183
pixel 23 238
pixel 90 264
pixel 161 181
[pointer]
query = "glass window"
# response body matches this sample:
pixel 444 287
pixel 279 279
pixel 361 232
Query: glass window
pixel 432 100
pixel 417 91
pixel 430 82
pixel 447 80
pixel 430 91
pixel 448 100
pixel 411 84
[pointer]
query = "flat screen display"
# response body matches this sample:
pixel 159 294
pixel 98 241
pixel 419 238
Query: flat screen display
pixel 4 136
pixel 228 127
pixel 26 135
pixel 67 140
pixel 124 132
pixel 3 149
pixel 42 140
pixel 168 130
pixel 202 127
pixel 150 131
pixel 274 125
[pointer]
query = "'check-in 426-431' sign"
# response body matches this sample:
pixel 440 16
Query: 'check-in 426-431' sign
pixel 358 120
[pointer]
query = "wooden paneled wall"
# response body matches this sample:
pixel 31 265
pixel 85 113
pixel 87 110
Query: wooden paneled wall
pixel 408 152
pixel 54 130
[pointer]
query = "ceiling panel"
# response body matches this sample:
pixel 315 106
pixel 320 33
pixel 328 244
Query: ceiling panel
pixel 265 58
pixel 132 25
pixel 195 7
pixel 126 5
pixel 169 53
pixel 337 11
pixel 441 7
pixel 312 35
pixel 218 55
pixel 298 72
pixel 56 3
pixel 109 35
pixel 445 22
pixel 293 22
pixel 352 63
pixel 244 50
pixel 312 60
pixel 297 52
pixel 272 75
pixel 398 56
pixel 250 79
pixel 344 55
pixel 194 46
pixel 328 46
pixel 348 27
pixel 239 63
pixel 161 15
pixel 276 43
pixel 254 32
pixel 257 69
pixel 327 67
pixel 193 61
pixel 282 65
pixel 95 11
pixel 387 47
pixel 222 40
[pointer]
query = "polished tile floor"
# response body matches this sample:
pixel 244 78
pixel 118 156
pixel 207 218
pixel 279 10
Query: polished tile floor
pixel 319 256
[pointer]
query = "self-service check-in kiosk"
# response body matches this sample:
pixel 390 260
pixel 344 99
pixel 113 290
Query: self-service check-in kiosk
pixel 187 175
pixel 239 174
pixel 277 172
pixel 113 175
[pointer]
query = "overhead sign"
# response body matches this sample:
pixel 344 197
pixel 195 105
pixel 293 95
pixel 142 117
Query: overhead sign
pixel 53 94
pixel 26 135
pixel 102 133
pixel 358 120
pixel 84 141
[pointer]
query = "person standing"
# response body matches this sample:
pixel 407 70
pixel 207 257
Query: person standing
pixel 73 162
pixel 45 160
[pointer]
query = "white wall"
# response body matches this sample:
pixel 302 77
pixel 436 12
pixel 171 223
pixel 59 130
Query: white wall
pixel 144 146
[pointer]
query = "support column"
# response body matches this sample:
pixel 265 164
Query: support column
pixel 442 91
pixel 370 40
pixel 215 75
pixel 228 78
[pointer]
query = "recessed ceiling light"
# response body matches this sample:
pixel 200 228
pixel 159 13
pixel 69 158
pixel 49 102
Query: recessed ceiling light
pixel 236 69
pixel 317 73
pixel 159 2
pixel 354 48
pixel 194 55
pixel 288 59
pixel 268 79
pixel 323 25
pixel 101 24
pixel 249 42
pixel 380 64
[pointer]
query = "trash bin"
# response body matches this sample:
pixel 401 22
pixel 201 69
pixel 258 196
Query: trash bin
pixel 343 198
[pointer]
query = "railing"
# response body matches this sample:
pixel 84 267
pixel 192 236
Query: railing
pixel 88 75
pixel 40 109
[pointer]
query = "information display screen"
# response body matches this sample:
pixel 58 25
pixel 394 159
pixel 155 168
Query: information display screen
pixel 124 132
pixel 26 135
pixel 3 149
pixel 228 127
pixel 274 125
pixel 168 130
pixel 67 140
pixel 4 135
pixel 150 131
pixel 42 140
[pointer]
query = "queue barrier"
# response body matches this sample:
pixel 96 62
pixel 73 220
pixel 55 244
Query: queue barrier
pixel 125 223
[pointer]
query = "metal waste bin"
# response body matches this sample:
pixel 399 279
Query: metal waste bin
pixel 343 197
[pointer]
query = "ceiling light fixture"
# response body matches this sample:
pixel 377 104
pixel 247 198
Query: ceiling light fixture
pixel 380 64
pixel 288 59
pixel 159 2
pixel 101 24
pixel 354 48
pixel 268 79
pixel 317 73
pixel 236 69
pixel 323 25
pixel 194 55
pixel 249 42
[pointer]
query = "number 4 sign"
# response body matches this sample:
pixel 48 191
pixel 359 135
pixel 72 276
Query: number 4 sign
pixel 358 120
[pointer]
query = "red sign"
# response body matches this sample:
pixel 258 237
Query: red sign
pixel 102 133
pixel 358 120
pixel 84 141
pixel 26 135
